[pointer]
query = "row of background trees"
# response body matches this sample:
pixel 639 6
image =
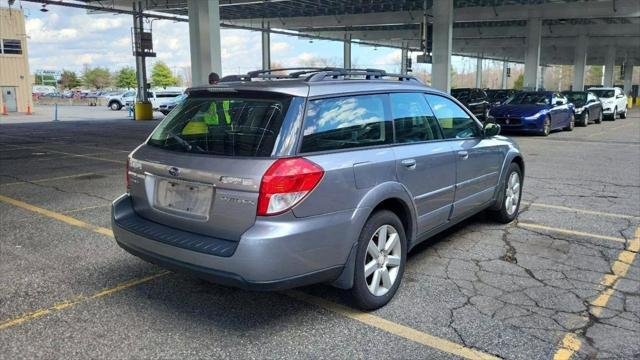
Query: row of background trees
pixel 557 77
pixel 102 78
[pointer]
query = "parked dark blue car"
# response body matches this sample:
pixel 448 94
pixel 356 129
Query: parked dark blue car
pixel 537 112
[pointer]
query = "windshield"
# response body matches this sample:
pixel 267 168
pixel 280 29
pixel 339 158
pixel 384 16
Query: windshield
pixel 529 98
pixel 497 95
pixel 461 94
pixel 577 98
pixel 603 93
pixel 236 125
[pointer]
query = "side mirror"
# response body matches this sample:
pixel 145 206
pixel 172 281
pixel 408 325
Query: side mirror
pixel 490 129
pixel 619 96
pixel 559 102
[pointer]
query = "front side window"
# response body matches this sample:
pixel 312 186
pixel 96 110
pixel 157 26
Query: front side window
pixel 346 122
pixel 413 119
pixel 235 125
pixel 455 122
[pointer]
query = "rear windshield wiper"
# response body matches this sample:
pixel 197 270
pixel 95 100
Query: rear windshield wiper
pixel 185 144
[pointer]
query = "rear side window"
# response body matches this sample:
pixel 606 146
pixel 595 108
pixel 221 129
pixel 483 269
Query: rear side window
pixel 454 121
pixel 413 119
pixel 346 122
pixel 235 125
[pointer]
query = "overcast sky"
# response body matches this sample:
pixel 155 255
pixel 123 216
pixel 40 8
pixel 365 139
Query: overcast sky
pixel 67 38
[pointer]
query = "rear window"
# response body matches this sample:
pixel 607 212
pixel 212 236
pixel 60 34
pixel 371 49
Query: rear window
pixel 346 122
pixel 235 125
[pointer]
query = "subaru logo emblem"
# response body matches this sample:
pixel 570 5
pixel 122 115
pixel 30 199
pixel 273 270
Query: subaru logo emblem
pixel 174 171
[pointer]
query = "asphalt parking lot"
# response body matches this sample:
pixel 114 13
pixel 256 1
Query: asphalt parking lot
pixel 564 281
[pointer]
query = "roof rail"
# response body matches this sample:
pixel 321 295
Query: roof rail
pixel 313 74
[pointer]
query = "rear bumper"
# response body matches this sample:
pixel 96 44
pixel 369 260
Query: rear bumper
pixel 274 254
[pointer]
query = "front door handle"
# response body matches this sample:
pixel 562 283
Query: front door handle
pixel 464 155
pixel 409 163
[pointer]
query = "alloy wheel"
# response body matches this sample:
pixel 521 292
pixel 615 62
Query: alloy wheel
pixel 512 193
pixel 382 262
pixel 546 127
pixel 586 119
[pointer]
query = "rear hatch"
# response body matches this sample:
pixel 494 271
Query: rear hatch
pixel 201 169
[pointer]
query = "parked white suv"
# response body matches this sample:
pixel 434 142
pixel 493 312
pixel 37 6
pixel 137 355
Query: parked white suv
pixel 118 101
pixel 156 97
pixel 614 103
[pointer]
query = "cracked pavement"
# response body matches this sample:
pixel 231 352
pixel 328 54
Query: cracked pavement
pixel 507 290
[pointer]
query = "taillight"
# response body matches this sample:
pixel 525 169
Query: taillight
pixel 126 175
pixel 286 183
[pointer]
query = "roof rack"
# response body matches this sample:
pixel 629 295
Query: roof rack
pixel 314 74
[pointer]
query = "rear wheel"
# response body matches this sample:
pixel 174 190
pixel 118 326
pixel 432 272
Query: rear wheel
pixel 572 124
pixel 380 260
pixel 511 193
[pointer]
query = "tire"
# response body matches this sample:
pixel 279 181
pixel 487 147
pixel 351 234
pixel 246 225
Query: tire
pixel 585 120
pixel 615 114
pixel 572 124
pixel 599 119
pixel 623 115
pixel 115 106
pixel 362 292
pixel 508 211
pixel 546 127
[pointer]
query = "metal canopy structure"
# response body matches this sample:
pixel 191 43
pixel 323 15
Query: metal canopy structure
pixel 494 28
pixel 534 32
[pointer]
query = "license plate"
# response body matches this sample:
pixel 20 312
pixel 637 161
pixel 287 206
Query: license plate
pixel 184 198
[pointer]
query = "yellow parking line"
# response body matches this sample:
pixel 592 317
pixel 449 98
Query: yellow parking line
pixel 569 232
pixel 78 300
pixel 584 211
pixel 72 154
pixel 393 328
pixel 48 179
pixel 55 215
pixel 570 343
pixel 85 208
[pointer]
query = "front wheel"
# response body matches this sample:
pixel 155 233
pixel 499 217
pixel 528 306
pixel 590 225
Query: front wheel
pixel 623 115
pixel 572 123
pixel 615 114
pixel 546 127
pixel 380 260
pixel 511 193
pixel 585 119
pixel 599 119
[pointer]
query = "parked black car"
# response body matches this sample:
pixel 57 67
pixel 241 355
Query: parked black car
pixel 587 106
pixel 499 96
pixel 475 100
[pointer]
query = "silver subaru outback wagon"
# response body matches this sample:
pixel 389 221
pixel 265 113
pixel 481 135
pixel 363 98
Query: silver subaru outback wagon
pixel 276 180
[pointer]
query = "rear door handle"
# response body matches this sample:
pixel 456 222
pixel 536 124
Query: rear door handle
pixel 464 155
pixel 409 163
